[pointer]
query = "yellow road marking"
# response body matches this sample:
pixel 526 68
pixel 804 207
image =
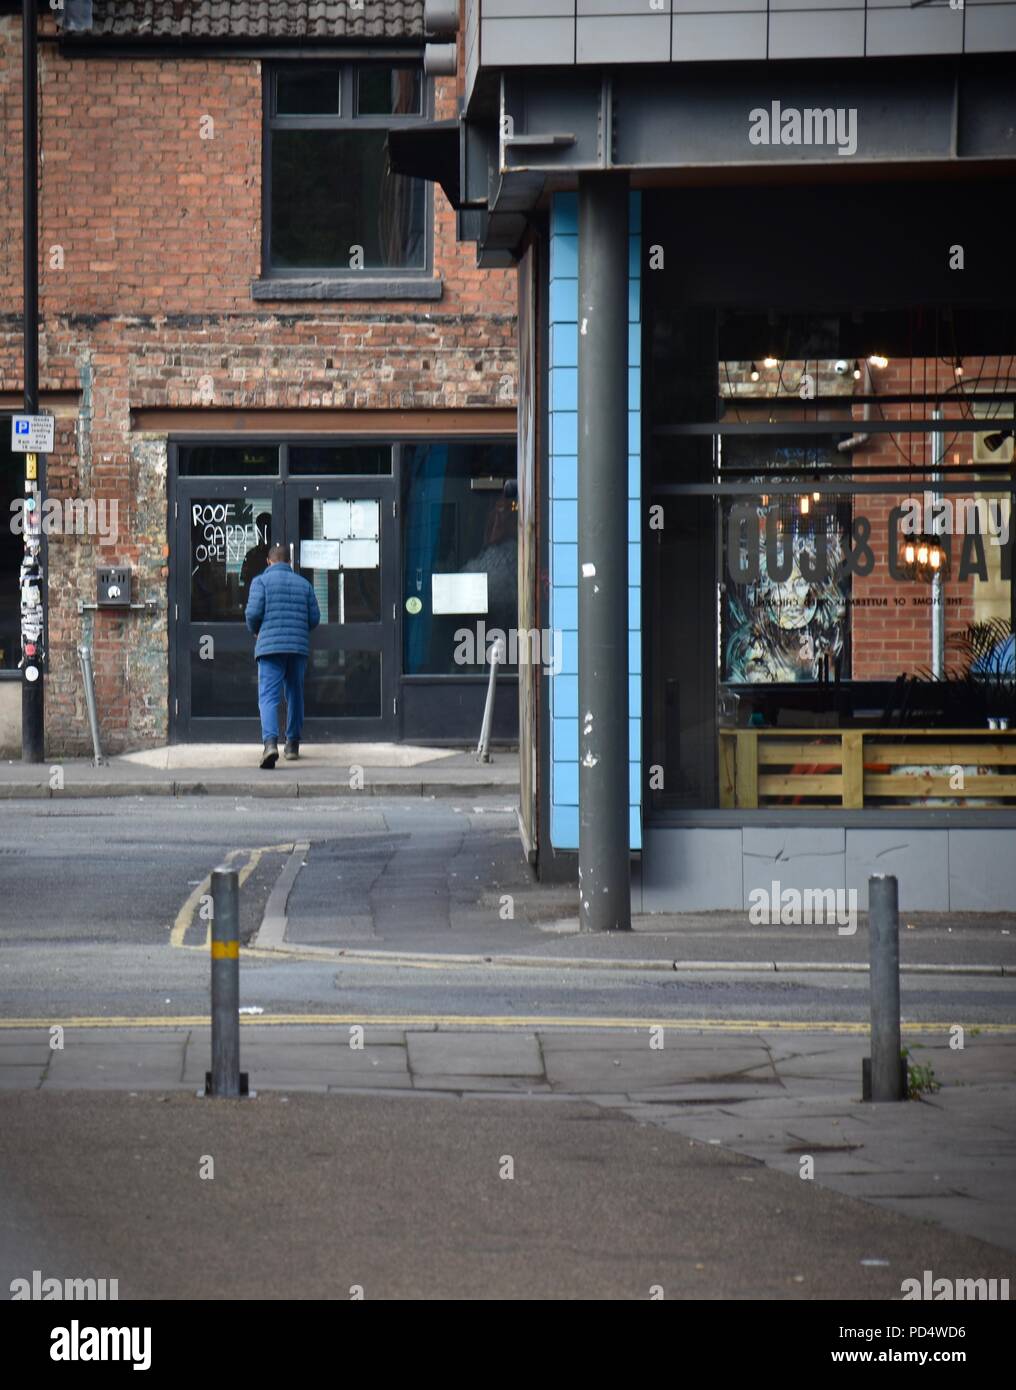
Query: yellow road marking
pixel 185 917
pixel 685 1025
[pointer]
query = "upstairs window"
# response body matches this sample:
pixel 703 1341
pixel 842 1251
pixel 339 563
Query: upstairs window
pixel 332 203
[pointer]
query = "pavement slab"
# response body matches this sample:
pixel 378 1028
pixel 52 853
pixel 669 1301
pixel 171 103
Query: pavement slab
pixel 489 1054
pixel 950 1157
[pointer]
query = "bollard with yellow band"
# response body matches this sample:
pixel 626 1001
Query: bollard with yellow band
pixel 225 1078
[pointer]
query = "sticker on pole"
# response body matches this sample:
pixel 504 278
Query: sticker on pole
pixel 32 434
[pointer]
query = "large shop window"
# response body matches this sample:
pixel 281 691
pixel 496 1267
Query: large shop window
pixel 460 553
pixel 12 472
pixel 832 572
pixel 332 202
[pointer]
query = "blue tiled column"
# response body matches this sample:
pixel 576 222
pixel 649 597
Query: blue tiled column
pixel 564 710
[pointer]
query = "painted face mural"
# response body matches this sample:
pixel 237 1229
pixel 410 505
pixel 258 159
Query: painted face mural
pixel 778 630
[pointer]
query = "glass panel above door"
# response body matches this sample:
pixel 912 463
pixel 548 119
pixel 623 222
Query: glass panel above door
pixel 344 460
pixel 228 461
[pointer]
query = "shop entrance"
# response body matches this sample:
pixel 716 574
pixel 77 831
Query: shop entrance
pixel 340 536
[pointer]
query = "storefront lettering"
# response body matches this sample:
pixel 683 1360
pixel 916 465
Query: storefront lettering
pixel 808 543
pixel 223 539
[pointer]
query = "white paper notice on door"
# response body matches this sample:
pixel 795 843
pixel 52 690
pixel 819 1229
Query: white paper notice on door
pixel 458 593
pixel 364 519
pixel 320 555
pixel 335 520
pixel 359 520
pixel 360 555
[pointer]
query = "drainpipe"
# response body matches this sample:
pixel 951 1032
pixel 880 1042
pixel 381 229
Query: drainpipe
pixel 604 855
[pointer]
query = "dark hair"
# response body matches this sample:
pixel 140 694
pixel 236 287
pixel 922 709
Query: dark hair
pixel 276 553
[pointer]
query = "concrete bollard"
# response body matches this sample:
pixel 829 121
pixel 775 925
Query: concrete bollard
pixel 884 1073
pixel 225 1078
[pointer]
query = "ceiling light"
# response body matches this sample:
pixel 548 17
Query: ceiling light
pixel 877 360
pixel 993 442
pixel 770 362
pixel 754 372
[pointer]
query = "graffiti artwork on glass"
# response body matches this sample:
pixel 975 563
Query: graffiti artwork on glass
pixel 786 595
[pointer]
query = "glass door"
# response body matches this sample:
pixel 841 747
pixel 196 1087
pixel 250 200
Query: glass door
pixel 341 537
pixel 223 531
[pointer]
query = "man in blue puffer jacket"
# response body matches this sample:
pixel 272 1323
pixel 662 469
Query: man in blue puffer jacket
pixel 282 611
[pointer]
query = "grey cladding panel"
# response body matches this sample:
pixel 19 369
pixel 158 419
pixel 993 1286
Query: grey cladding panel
pixel 982 870
pixel 717 6
pixel 533 43
pixel 528 9
pixel 779 5
pixel 991 29
pixel 691 870
pixel 918 858
pixel 708 37
pixel 623 39
pixel 907 32
pixel 640 8
pixel 807 34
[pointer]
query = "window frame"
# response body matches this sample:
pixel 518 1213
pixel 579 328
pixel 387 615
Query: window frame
pixel 348 70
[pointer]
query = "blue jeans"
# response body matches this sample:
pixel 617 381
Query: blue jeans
pixel 283 671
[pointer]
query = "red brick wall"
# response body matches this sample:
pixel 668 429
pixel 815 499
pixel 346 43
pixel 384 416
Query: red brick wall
pixel 896 638
pixel 160 232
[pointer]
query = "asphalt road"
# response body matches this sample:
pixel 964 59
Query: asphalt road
pixel 411 1198
pixel 403 1196
pixel 93 893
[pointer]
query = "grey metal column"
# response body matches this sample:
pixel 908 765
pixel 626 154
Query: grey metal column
pixel 884 934
pixel 225 1073
pixel 604 858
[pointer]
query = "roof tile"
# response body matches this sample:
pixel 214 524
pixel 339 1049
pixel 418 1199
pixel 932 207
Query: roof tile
pixel 272 19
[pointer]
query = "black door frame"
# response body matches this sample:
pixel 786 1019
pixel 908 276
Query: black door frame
pixel 284 490
pixel 231 636
pixel 379 636
pixel 429 695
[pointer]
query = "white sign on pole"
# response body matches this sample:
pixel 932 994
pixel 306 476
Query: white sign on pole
pixel 32 434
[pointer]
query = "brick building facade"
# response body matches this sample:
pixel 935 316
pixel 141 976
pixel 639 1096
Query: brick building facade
pixel 158 315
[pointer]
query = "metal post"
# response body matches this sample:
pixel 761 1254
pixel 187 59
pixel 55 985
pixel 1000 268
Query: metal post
pixel 33 619
pixel 604 856
pixel 483 747
pixel 224 1078
pixel 887 1068
pixel 85 658
pixel 936 453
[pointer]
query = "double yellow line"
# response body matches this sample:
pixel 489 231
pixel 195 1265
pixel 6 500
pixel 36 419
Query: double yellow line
pixel 185 917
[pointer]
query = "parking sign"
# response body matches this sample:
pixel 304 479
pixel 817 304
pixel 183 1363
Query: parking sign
pixel 32 434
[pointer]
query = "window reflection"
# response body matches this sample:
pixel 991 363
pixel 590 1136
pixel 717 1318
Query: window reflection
pixel 229 540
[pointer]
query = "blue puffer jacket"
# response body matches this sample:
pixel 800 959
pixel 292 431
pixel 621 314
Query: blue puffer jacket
pixel 283 611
